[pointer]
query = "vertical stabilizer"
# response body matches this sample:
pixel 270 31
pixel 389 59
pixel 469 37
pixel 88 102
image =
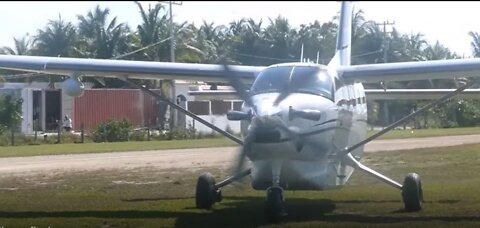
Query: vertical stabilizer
pixel 344 37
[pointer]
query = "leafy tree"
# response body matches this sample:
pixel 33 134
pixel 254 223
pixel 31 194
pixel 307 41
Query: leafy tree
pixel 10 112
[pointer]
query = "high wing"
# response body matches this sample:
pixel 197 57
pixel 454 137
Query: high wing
pixel 125 68
pixel 408 71
pixel 417 94
pixel 371 94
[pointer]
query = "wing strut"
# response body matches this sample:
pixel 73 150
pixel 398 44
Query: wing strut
pixel 350 160
pixel 186 112
pixel 409 117
pixel 228 180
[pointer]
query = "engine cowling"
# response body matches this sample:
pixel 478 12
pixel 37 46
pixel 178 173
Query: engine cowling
pixel 73 86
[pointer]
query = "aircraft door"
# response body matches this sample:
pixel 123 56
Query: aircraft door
pixel 341 100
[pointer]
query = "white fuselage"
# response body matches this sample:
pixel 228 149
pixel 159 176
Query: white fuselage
pixel 308 162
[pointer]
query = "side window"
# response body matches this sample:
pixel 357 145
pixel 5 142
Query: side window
pixel 342 94
pixel 351 95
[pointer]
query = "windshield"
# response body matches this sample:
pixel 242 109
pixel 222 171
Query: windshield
pixel 300 79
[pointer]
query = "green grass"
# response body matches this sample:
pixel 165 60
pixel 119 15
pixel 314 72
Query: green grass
pixel 164 198
pixel 417 133
pixel 72 148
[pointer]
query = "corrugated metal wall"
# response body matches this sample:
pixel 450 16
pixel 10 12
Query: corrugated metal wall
pixel 99 105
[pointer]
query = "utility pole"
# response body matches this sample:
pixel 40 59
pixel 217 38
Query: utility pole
pixel 385 40
pixel 385 60
pixel 171 83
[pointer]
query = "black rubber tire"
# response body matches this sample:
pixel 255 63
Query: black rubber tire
pixel 206 194
pixel 412 192
pixel 275 204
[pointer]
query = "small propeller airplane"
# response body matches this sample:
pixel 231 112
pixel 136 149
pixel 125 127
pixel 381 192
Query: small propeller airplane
pixel 303 124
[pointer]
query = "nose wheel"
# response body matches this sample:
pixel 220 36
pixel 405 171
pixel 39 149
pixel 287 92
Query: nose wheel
pixel 275 204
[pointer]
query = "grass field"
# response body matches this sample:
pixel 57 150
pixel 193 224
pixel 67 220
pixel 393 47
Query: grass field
pixel 394 134
pixel 164 198
pixel 71 148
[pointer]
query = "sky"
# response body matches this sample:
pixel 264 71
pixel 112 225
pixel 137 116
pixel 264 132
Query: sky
pixel 447 22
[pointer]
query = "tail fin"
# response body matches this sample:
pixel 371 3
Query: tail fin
pixel 344 37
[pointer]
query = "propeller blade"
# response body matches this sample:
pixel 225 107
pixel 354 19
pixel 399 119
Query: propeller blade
pixel 242 156
pixel 284 94
pixel 239 87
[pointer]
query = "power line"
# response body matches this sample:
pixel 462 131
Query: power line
pixel 141 49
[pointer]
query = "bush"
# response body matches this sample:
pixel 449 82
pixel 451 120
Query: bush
pixel 112 131
pixel 178 133
pixel 139 135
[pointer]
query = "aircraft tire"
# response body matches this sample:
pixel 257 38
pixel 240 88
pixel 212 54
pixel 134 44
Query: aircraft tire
pixel 275 204
pixel 206 194
pixel 412 192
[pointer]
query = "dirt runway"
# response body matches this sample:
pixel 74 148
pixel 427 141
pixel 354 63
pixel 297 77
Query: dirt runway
pixel 184 158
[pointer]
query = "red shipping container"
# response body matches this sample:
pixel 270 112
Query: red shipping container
pixel 99 105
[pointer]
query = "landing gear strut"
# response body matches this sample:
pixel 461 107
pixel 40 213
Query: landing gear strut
pixel 412 192
pixel 207 192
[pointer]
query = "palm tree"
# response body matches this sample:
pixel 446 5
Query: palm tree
pixel 316 37
pixel 152 30
pixel 279 37
pixel 475 43
pixel 415 44
pixel 57 39
pixel 214 43
pixel 101 39
pixel 22 47
pixel 439 52
pixel 249 43
pixel 370 47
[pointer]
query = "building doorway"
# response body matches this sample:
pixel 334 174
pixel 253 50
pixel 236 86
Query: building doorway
pixel 53 110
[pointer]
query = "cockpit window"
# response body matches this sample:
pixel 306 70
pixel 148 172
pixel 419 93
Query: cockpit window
pixel 298 79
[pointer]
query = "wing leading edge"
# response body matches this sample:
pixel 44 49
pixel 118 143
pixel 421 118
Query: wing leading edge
pixel 417 94
pixel 121 68
pixel 407 71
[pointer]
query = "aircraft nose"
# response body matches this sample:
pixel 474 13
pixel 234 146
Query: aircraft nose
pixel 268 128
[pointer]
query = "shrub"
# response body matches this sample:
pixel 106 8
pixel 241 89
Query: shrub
pixel 181 133
pixel 112 131
pixel 139 135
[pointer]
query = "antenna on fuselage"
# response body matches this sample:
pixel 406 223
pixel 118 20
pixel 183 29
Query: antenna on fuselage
pixel 301 54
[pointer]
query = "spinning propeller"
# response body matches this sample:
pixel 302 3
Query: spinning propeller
pixel 263 124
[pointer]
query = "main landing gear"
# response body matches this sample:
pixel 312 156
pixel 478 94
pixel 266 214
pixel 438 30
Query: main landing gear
pixel 208 192
pixel 412 192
